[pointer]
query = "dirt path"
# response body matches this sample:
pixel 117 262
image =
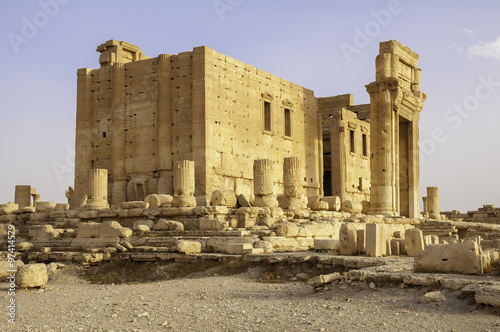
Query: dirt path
pixel 208 302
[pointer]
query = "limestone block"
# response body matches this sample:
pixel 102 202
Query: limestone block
pixel 334 203
pixel 168 225
pixel 324 279
pixel 326 244
pixel 212 224
pixel 188 247
pixel 436 296
pixel 491 260
pixel 8 208
pixel 348 239
pixel 305 242
pixel 45 207
pixel 244 201
pixel 398 247
pixel 27 209
pixel 287 229
pixel 223 198
pixel 376 243
pixel 24 246
pixel 148 223
pixel 112 229
pixel 489 295
pixel 320 229
pixel 267 221
pixel 6 266
pixel 361 241
pixel 88 214
pixel 319 206
pixel 31 275
pixel 414 241
pixel 158 200
pixel 462 257
pixel 134 205
pixel 281 242
pixel 42 232
pixel 88 230
pixel 265 245
pixel 239 248
pixel 142 228
pixel 61 207
pixel 352 207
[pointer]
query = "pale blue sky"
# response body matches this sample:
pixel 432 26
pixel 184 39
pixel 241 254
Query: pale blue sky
pixel 297 40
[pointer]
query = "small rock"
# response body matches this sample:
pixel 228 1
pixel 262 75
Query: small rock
pixel 436 296
pixel 372 285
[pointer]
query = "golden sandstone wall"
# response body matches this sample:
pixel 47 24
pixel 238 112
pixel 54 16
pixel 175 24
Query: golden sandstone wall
pixel 138 115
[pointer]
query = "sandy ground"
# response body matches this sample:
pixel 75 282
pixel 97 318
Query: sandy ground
pixel 209 301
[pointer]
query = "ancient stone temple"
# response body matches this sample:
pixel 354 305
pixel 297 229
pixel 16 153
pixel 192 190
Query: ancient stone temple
pixel 139 117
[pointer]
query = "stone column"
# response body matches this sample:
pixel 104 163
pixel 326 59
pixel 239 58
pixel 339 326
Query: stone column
pixel 184 184
pixel 292 183
pixel 433 203
pixel 263 183
pixel 97 190
pixel 425 213
pixel 119 177
pixel 165 185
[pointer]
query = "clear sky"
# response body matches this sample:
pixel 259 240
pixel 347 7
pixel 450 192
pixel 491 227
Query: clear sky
pixel 327 46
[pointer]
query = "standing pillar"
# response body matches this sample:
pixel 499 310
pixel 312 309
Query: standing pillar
pixel 426 211
pixel 292 182
pixel 433 203
pixel 98 190
pixel 119 178
pixel 165 185
pixel 184 184
pixel 263 183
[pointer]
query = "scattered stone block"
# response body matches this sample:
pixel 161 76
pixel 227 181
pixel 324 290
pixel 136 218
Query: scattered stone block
pixel 8 208
pixel 168 225
pixel 121 248
pixel 42 232
pixel 188 247
pixel 126 244
pixel 6 266
pixel 31 275
pixel 61 207
pixel 44 207
pixel 414 241
pixel 489 295
pixel 305 242
pixel 27 209
pixel 319 206
pixel 352 206
pixel 326 244
pixel 264 245
pixel 348 240
pixel 112 229
pixel 334 203
pixel 324 279
pixel 436 296
pixel 491 260
pixel 376 244
pixel 158 200
pixel 462 257
pixel 148 223
pixel 287 229
pixel 398 247
pixel 142 228
pixel 212 224
pixel 88 230
pixel 239 248
pixel 243 201
pixel 24 246
pixel 223 198
pixel 134 205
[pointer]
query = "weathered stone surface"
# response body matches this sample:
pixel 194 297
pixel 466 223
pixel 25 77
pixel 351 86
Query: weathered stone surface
pixel 44 207
pixel 287 229
pixel 265 245
pixel 61 207
pixel 414 241
pixel 489 295
pixel 326 244
pixel 188 247
pixel 24 246
pixel 348 239
pixel 8 208
pixel 7 267
pixel 212 224
pixel 436 296
pixel 142 228
pixel 158 200
pixel 88 230
pixel 168 225
pixel 324 279
pixel 148 223
pixel 31 275
pixel 42 232
pixel 457 257
pixel 134 205
pixel 351 206
pixel 239 248
pixel 112 229
pixel 223 198
pixel 376 245
pixel 334 203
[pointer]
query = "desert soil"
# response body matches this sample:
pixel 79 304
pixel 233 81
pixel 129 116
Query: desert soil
pixel 212 300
